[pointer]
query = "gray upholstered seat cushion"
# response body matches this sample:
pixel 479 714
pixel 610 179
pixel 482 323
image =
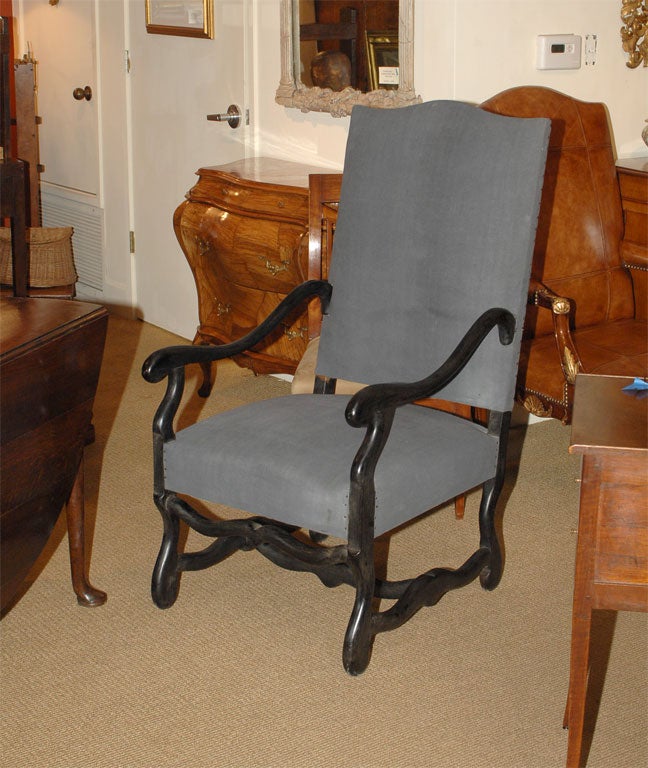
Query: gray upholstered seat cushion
pixel 289 459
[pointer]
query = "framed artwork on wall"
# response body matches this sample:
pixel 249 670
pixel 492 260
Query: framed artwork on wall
pixel 382 60
pixel 188 18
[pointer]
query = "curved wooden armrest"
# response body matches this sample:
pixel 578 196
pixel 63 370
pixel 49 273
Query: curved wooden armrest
pixel 160 363
pixel 560 307
pixel 544 297
pixel 377 399
pixel 170 362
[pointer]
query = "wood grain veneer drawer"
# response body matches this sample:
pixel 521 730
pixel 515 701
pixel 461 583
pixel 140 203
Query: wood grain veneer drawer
pixel 254 253
pixel 237 195
pixel 236 311
pixel 622 520
pixel 634 186
pixel 634 199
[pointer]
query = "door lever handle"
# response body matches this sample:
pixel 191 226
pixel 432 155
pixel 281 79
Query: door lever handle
pixel 232 116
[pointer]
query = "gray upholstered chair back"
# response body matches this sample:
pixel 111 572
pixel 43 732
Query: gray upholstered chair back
pixel 437 223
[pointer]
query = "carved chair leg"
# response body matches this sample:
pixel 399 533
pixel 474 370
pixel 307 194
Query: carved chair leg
pixel 359 635
pixel 166 576
pixel 492 573
pixel 86 594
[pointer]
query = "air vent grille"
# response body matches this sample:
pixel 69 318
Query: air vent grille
pixel 87 221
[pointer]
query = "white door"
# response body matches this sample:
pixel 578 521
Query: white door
pixel 62 38
pixel 177 81
pixel 81 86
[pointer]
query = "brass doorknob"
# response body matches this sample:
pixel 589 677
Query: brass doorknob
pixel 82 93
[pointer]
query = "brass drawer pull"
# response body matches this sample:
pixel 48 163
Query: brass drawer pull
pixel 273 267
pixel 202 245
pixel 300 333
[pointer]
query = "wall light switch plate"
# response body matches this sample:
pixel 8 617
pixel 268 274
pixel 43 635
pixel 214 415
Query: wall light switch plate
pixel 558 52
pixel 591 44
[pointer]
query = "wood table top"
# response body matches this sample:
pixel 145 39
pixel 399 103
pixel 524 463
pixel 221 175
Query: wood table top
pixel 606 418
pixel 24 321
pixel 638 165
pixel 268 170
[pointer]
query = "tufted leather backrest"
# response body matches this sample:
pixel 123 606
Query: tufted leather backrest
pixel 577 252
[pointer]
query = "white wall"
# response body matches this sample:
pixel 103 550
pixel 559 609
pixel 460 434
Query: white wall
pixel 490 45
pixel 464 49
pixel 470 50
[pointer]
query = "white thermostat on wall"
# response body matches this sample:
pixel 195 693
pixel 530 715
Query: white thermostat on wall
pixel 558 52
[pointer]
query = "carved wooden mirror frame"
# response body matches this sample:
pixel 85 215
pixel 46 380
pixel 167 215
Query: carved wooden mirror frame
pixel 634 32
pixel 293 93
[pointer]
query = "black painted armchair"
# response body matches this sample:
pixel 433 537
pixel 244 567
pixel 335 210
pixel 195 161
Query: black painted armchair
pixel 426 297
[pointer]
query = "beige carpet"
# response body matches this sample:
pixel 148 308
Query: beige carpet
pixel 245 670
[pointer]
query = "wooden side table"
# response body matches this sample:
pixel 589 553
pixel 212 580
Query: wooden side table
pixel 50 358
pixel 610 431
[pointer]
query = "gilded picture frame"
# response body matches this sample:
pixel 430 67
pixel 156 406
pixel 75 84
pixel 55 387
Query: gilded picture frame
pixel 382 60
pixel 187 18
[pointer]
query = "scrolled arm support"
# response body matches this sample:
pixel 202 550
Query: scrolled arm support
pixel 161 363
pixel 163 419
pixel 544 297
pixel 171 361
pixel 560 308
pixel 377 398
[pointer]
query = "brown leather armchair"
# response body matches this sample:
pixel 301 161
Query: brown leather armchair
pixel 582 314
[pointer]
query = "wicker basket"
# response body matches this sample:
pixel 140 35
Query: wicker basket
pixel 50 257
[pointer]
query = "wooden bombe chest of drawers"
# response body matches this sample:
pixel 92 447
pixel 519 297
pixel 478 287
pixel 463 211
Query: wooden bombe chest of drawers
pixel 244 231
